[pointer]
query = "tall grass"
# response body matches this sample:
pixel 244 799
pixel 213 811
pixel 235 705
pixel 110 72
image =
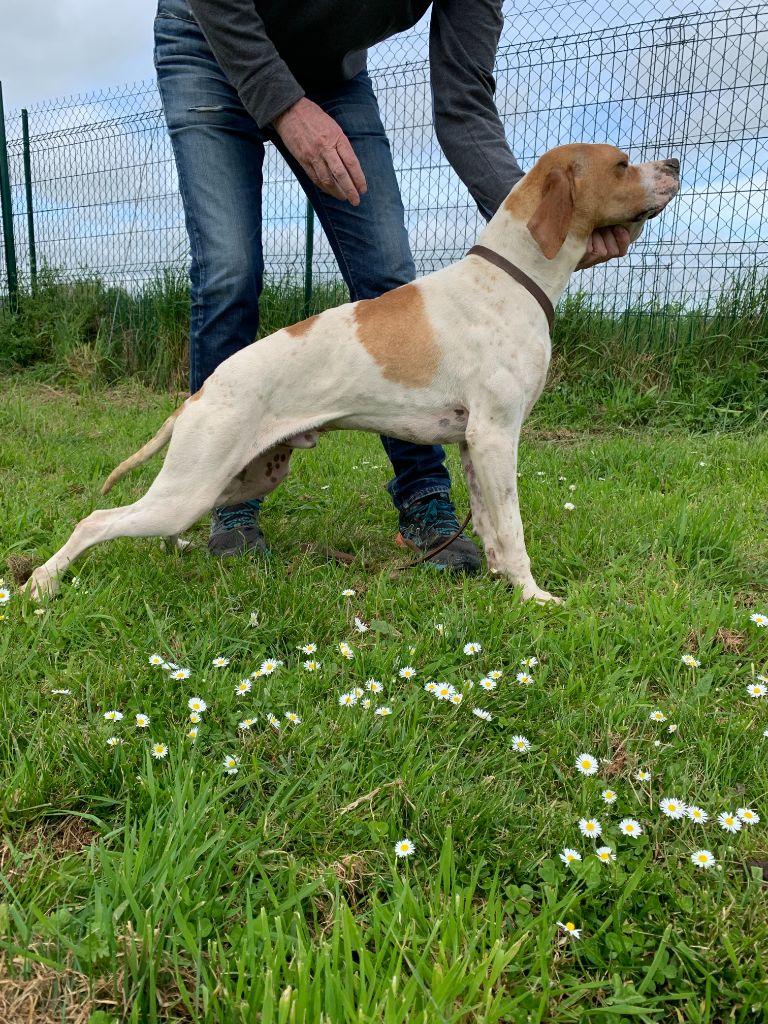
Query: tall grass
pixel 705 365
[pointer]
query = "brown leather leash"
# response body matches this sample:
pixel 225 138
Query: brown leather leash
pixel 543 300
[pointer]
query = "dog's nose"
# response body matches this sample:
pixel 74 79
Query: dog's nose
pixel 672 165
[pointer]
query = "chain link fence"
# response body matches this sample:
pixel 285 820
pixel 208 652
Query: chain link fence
pixel 101 194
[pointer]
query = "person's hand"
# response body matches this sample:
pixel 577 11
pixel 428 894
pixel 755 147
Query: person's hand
pixel 604 244
pixel 322 149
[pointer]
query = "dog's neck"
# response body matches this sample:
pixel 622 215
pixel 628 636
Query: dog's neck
pixel 509 236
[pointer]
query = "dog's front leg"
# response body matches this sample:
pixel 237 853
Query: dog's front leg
pixel 490 464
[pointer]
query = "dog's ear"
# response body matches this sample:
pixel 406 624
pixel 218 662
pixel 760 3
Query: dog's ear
pixel 551 220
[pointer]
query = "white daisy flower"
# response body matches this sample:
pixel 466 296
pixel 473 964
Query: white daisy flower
pixel 373 685
pixel 64 692
pixel 729 821
pixel 531 662
pixel 346 651
pixel 346 700
pixel 456 698
pixel 312 666
pixel 431 686
pixel 181 673
pixel 759 619
pixel 269 666
pixel 487 683
pixel 407 672
pixel 630 827
pixel 672 807
pixel 440 628
pixel 220 662
pixel 293 717
pixel 605 854
pixel 155 659
pixel 361 626
pixel 690 661
pixel 570 929
pixel 246 724
pixel 404 848
pixel 383 711
pixel 481 713
pixel 521 743
pixel 159 750
pixel 195 717
pixel 192 733
pixel 243 687
pixel 642 775
pixel 569 506
pixel 114 741
pixel 757 689
pixel 586 764
pixel 590 827
pixel 472 648
pixel 525 678
pixel 365 703
pixel 254 619
pixel 569 856
pixel 697 814
pixel 308 648
pixel 444 691
pixel 495 674
pixel 348 592
pixel 113 716
pixel 197 704
pixel 657 716
pixel 142 721
pixel 703 859
pixel 609 796
pixel 231 762
pixel 748 816
pixel 274 721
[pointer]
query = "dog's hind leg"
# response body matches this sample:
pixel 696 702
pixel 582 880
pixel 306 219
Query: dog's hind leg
pixel 147 517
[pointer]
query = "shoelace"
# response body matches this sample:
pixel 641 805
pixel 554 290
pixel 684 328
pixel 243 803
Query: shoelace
pixel 233 517
pixel 439 516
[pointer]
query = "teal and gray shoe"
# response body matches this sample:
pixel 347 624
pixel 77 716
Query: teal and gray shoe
pixel 426 525
pixel 235 530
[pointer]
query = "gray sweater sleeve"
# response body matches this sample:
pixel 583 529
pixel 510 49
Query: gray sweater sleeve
pixel 247 56
pixel 464 35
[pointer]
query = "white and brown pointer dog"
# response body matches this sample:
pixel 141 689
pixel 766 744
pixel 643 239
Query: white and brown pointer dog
pixel 458 356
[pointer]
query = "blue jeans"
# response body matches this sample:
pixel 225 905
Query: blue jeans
pixel 219 152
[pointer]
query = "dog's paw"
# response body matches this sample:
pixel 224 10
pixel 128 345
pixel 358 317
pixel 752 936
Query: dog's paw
pixel 41 584
pixel 534 593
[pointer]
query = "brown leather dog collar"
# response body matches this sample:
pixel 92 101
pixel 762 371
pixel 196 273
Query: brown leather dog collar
pixel 520 276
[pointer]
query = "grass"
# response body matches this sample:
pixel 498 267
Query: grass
pixel 134 889
pixel 652 365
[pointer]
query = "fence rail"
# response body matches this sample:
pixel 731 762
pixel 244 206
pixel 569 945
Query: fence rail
pixel 104 199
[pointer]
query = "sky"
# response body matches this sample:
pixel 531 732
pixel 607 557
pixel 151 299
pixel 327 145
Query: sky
pixel 713 107
pixel 53 48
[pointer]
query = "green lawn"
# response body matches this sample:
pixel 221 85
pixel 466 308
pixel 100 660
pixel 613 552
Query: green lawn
pixel 143 889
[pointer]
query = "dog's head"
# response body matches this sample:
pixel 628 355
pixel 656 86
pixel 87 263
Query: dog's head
pixel 574 189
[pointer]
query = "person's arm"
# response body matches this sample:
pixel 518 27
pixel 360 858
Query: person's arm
pixel 248 57
pixel 273 97
pixel 464 35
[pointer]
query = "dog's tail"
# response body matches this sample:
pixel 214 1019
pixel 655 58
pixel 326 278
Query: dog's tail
pixel 160 440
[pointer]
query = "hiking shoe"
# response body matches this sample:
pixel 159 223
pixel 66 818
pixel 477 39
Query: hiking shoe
pixel 425 525
pixel 235 530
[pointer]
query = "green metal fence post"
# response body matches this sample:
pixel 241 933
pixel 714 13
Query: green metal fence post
pixel 7 212
pixel 308 252
pixel 28 194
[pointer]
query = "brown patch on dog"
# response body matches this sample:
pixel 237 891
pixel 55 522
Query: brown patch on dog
pixel 197 395
pixel 296 330
pixel 395 331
